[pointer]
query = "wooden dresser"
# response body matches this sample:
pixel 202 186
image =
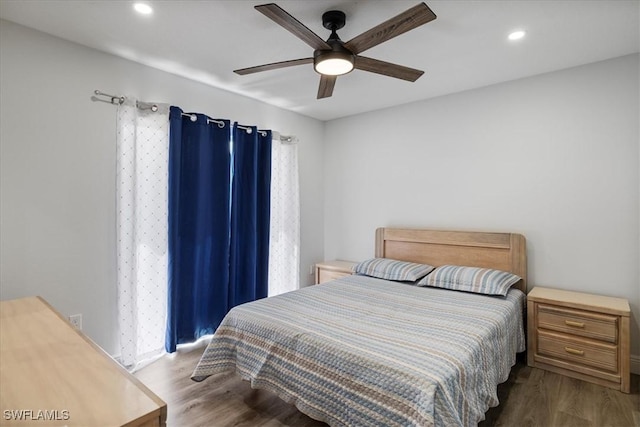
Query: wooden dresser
pixel 580 335
pixel 53 375
pixel 331 270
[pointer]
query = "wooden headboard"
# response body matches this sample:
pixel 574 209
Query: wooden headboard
pixel 502 251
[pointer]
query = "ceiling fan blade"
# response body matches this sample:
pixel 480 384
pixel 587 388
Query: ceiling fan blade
pixel 291 24
pixel 387 69
pixel 273 66
pixel 326 86
pixel 407 20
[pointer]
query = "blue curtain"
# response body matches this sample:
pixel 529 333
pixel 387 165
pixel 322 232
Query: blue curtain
pixel 250 213
pixel 199 206
pixel 219 210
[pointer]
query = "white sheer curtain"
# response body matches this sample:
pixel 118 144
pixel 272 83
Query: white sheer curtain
pixel 141 203
pixel 284 244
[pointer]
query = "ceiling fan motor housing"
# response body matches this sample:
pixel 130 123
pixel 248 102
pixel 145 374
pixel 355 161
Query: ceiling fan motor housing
pixel 333 20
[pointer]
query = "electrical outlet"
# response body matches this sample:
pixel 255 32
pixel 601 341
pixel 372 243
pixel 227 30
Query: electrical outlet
pixel 312 269
pixel 76 321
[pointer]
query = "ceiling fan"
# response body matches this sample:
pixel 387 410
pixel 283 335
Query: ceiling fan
pixel 334 57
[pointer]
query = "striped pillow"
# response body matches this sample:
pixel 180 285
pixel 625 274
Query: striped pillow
pixel 471 279
pixel 391 269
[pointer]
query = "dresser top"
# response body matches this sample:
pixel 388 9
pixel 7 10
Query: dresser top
pixel 48 365
pixel 600 303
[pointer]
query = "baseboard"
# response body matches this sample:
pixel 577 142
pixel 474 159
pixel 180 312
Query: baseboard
pixel 635 364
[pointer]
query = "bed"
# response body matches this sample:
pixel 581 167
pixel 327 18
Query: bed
pixel 363 351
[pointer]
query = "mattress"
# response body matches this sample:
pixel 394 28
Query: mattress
pixel 361 351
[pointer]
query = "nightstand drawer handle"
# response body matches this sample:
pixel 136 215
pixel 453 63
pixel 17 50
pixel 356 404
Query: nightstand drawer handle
pixel 574 324
pixel 574 351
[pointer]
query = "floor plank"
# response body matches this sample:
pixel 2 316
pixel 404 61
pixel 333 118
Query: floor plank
pixel 529 398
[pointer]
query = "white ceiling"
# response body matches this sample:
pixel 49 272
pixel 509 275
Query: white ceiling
pixel 465 47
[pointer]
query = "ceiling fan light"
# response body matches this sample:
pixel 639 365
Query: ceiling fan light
pixel 332 63
pixel 334 66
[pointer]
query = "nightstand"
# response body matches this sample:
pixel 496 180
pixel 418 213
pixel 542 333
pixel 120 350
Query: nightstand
pixel 579 335
pixel 330 270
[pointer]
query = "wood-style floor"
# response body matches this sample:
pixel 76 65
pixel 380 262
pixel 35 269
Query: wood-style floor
pixel 530 397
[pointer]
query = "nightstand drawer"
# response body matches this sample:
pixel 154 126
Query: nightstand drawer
pixel 326 275
pixel 578 322
pixel 601 356
pixel 331 270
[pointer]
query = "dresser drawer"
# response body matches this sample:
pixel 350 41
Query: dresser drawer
pixel 578 322
pixel 597 355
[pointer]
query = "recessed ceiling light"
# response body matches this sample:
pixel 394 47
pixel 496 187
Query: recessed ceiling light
pixel 517 35
pixel 143 8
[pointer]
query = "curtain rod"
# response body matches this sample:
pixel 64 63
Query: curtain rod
pixel 220 123
pixel 119 100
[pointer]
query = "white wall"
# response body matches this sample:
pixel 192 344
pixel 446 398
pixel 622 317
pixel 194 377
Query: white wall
pixel 57 182
pixel 554 157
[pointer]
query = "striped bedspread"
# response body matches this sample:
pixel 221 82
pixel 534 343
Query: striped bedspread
pixel 360 351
